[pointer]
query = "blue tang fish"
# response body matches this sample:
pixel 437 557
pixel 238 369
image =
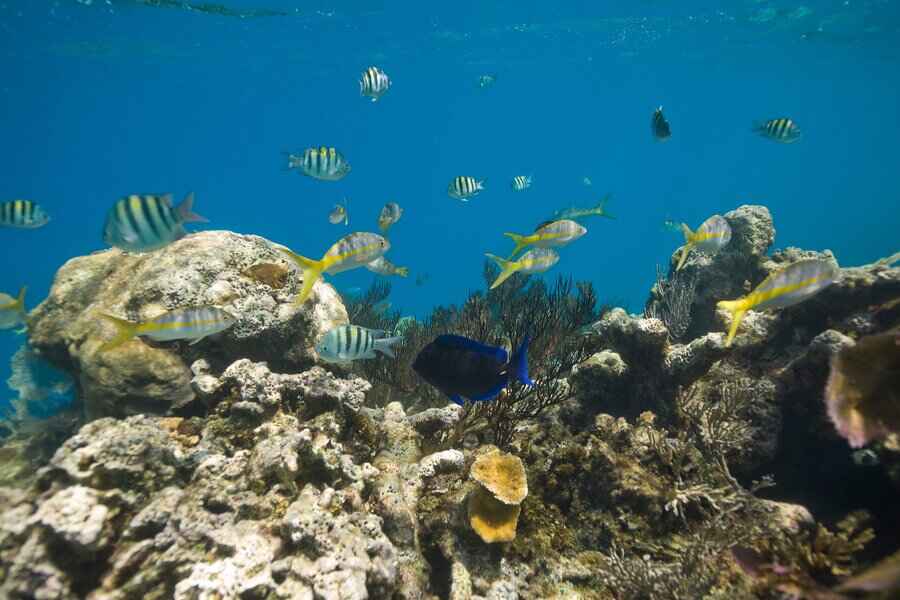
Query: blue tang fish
pixel 468 370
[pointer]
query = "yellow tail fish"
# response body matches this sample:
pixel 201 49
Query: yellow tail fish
pixel 351 251
pixel 533 261
pixel 192 324
pixel 12 310
pixel 548 235
pixel 713 235
pixel 791 285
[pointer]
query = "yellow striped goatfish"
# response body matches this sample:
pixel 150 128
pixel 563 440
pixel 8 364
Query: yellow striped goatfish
pixel 351 251
pixel 537 260
pixel 22 214
pixel 145 223
pixel 548 235
pixel 12 310
pixel 182 324
pixel 713 235
pixel 791 285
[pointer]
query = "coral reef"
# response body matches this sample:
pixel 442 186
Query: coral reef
pixel 207 268
pixel 645 463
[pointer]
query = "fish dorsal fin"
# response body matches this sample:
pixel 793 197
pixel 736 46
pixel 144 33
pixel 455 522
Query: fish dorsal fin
pixel 458 341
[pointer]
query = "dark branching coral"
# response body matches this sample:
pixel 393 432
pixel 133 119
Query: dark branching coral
pixel 671 300
pixel 552 317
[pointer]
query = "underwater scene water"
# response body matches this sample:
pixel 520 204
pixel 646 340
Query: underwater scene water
pixel 450 300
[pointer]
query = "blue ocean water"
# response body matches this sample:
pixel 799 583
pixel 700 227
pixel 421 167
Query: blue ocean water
pixel 103 98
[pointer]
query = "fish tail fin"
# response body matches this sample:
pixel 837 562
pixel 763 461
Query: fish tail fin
pixel 519 363
pixel 508 268
pixel 186 211
pixel 737 308
pixel 403 271
pixel 480 184
pixel 520 240
pixel 19 304
pixel 688 244
pixel 312 271
pixel 688 234
pixel 385 345
pixel 125 330
pixel 600 209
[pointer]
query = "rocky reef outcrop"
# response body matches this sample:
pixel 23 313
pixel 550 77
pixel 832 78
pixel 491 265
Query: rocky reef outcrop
pixel 243 274
pixel 251 473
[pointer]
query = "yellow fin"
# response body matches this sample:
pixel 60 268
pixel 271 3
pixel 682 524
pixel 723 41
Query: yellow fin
pixel 520 240
pixel 509 267
pixel 403 271
pixel 737 308
pixel 125 330
pixel 312 271
pixel 19 304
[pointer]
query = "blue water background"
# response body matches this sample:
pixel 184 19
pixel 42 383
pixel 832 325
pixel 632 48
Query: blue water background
pixel 103 100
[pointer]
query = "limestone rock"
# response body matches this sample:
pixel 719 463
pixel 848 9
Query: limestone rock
pixel 200 269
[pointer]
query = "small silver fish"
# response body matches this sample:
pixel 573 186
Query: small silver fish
pixel 339 214
pixel 351 342
pixel 326 164
pixel 486 81
pixel 390 214
pixel 22 214
pixel 464 187
pixel 521 183
pixel 374 83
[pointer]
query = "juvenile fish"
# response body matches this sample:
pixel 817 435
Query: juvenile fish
pixel 537 260
pixel 22 214
pixel 468 370
pixel 520 183
pixel 182 324
pixel 464 187
pixel 352 342
pixel 782 130
pixel 374 83
pixel 791 285
pixel 549 235
pixel 383 266
pixel 12 310
pixel 339 214
pixel 486 81
pixel 322 163
pixel 575 214
pixel 390 214
pixel 659 126
pixel 351 251
pixel 146 223
pixel 712 235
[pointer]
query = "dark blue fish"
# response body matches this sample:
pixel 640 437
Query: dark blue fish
pixel 468 370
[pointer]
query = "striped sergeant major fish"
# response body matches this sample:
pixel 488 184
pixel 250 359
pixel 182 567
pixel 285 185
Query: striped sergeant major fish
pixel 791 285
pixel 144 223
pixel 712 235
pixel 520 183
pixel 549 235
pixel 782 130
pixel 23 214
pixel 181 324
pixel 354 250
pixel 374 83
pixel 659 126
pixel 536 260
pixel 322 163
pixel 352 342
pixel 464 187
pixel 383 266
pixel 12 310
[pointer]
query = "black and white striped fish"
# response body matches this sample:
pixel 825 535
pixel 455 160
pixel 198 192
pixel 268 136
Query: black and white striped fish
pixel 141 223
pixel 322 163
pixel 782 130
pixel 23 214
pixel 464 187
pixel 352 342
pixel 374 83
pixel 521 183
